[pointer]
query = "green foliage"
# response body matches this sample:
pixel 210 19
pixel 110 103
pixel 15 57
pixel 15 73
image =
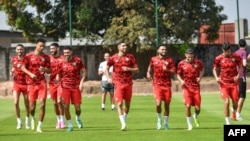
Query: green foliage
pixel 132 21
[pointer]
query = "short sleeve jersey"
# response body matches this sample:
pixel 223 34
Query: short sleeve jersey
pixel 190 72
pixel 102 67
pixel 54 62
pixel 19 75
pixel 228 68
pixel 119 76
pixel 243 54
pixel 33 63
pixel 70 72
pixel 160 76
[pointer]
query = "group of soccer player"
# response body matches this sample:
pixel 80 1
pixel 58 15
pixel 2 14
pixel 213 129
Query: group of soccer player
pixel 67 74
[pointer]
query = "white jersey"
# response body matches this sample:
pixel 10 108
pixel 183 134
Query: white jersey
pixel 102 67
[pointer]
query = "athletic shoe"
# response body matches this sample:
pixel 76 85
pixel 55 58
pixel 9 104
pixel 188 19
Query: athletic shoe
pixel 70 129
pixel 233 115
pixel 190 127
pixel 239 118
pixel 114 109
pixel 196 122
pixel 58 125
pixel 158 125
pixel 39 130
pixel 123 127
pixel 79 123
pixel 27 125
pixel 62 125
pixel 19 126
pixel 166 126
pixel 103 109
pixel 32 124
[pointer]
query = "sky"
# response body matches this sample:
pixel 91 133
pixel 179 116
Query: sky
pixel 230 9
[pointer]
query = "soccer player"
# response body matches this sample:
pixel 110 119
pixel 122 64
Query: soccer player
pixel 106 86
pixel 35 65
pixel 54 87
pixel 227 70
pixel 124 65
pixel 162 67
pixel 19 86
pixel 189 73
pixel 72 73
pixel 242 84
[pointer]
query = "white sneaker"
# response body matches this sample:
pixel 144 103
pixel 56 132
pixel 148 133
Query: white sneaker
pixel 190 127
pixel 39 130
pixel 123 127
pixel 19 126
pixel 239 118
pixel 158 125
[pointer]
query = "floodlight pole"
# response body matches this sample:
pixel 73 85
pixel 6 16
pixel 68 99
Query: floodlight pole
pixel 70 23
pixel 238 18
pixel 156 23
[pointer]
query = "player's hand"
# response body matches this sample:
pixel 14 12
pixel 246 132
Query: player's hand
pixel 218 80
pixel 236 78
pixel 33 76
pixel 42 69
pixel 149 77
pixel 124 68
pixel 109 80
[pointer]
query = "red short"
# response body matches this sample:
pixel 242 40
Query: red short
pixel 192 96
pixel 123 92
pixel 162 93
pixel 55 91
pixel 71 95
pixel 37 91
pixel 231 91
pixel 20 88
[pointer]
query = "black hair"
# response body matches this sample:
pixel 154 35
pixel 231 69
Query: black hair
pixel 190 51
pixel 54 44
pixel 242 43
pixel 20 45
pixel 226 46
pixel 67 48
pixel 40 40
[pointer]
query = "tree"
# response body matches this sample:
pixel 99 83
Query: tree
pixel 132 21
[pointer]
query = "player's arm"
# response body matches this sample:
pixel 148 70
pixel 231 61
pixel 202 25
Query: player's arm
pixel 149 72
pixel 179 77
pixel 26 71
pixel 100 70
pixel 84 74
pixel 201 74
pixel 215 74
pixel 106 72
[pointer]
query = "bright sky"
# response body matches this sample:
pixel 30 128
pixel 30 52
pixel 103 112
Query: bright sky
pixel 230 9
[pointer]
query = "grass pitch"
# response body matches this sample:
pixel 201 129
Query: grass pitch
pixel 141 122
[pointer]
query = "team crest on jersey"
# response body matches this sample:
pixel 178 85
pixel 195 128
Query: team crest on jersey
pixel 116 60
pixel 74 64
pixel 19 65
pixel 166 63
pixel 127 59
pixel 233 59
pixel 195 66
pixel 42 59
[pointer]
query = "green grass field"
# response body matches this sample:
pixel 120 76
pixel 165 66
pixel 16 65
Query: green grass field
pixel 141 122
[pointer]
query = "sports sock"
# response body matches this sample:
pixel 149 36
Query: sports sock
pixel 103 105
pixel 112 106
pixel 165 119
pixel 70 123
pixel 159 116
pixel 39 124
pixel 58 118
pixel 189 121
pixel 227 120
pixel 61 117
pixel 19 120
pixel 122 119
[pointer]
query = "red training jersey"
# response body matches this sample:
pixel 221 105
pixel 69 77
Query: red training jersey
pixel 33 63
pixel 190 72
pixel 54 62
pixel 70 72
pixel 119 76
pixel 161 77
pixel 228 68
pixel 18 74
